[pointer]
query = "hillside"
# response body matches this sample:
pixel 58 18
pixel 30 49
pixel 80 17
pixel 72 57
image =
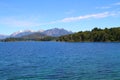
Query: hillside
pixel 95 35
pixel 37 37
pixel 56 32
pixel 34 36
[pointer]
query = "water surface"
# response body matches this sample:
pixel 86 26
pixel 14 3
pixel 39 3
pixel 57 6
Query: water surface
pixel 59 61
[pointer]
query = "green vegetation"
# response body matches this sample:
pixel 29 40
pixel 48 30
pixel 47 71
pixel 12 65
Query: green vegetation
pixel 12 39
pixel 96 35
pixel 47 38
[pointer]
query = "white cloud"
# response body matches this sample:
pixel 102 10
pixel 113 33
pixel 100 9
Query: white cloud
pixel 90 16
pixel 109 6
pixel 84 17
pixel 14 22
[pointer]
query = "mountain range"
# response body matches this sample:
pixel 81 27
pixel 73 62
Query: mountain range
pixel 55 32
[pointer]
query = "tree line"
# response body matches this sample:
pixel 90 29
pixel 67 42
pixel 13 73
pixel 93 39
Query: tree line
pixel 95 35
pixel 12 39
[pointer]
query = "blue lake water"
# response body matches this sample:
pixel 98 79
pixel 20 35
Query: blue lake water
pixel 59 61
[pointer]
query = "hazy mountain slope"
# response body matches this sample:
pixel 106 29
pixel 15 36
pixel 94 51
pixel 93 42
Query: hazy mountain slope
pixel 36 35
pixel 21 33
pixel 3 36
pixel 56 32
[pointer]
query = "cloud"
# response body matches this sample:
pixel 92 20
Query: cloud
pixel 109 6
pixel 84 17
pixel 14 22
pixel 18 23
pixel 89 16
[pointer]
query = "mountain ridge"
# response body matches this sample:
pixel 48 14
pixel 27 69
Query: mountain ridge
pixel 54 32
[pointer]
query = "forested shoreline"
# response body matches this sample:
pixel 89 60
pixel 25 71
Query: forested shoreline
pixel 95 35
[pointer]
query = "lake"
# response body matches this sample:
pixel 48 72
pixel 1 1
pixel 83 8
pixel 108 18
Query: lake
pixel 59 61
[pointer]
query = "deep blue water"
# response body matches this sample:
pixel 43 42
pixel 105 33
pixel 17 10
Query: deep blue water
pixel 59 61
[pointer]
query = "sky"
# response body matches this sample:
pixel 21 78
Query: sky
pixel 73 15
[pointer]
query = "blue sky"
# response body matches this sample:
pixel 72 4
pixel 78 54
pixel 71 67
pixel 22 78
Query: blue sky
pixel 74 15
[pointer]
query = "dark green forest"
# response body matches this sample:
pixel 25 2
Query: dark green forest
pixel 28 39
pixel 95 35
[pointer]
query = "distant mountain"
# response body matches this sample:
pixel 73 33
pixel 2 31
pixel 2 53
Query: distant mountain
pixel 56 32
pixel 40 34
pixel 21 33
pixel 3 36
pixel 36 35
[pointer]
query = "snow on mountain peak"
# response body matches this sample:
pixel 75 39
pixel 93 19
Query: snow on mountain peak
pixel 50 32
pixel 21 33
